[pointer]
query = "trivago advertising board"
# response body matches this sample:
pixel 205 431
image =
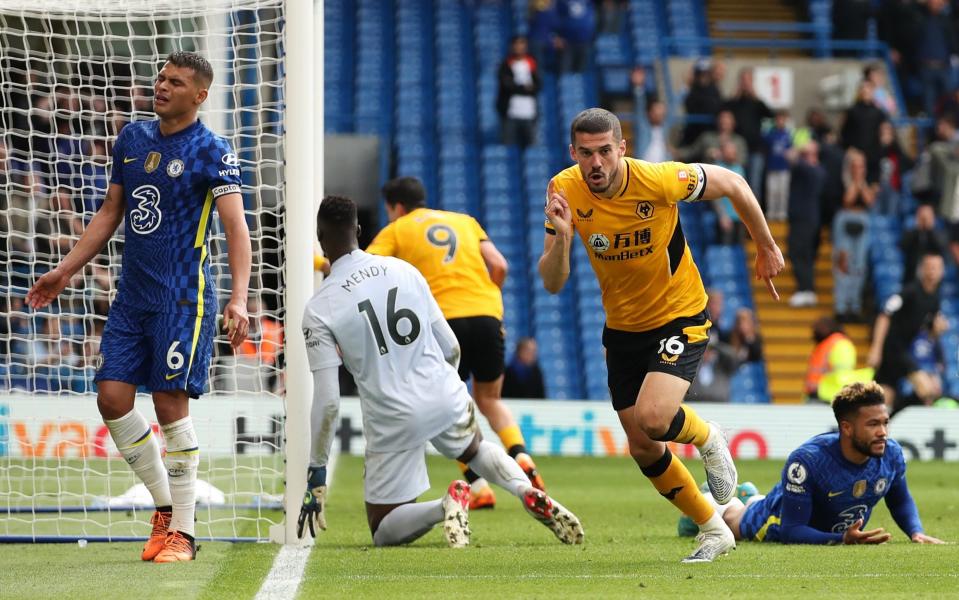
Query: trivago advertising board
pixel 37 426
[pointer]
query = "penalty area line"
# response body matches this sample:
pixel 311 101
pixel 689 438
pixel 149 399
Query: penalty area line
pixel 283 580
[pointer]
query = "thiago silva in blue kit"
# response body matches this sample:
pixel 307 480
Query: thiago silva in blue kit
pixel 168 175
pixel 831 483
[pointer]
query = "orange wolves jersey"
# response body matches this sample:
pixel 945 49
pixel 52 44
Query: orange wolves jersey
pixel 445 247
pixel 636 244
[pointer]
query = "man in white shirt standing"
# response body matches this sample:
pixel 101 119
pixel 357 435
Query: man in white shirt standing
pixel 516 100
pixel 396 343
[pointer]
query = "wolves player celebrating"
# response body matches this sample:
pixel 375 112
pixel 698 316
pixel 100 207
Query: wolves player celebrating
pixel 465 272
pixel 831 483
pixel 402 353
pixel 625 211
pixel 167 176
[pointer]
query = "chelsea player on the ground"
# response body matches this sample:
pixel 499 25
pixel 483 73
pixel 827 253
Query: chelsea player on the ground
pixel 167 175
pixel 831 483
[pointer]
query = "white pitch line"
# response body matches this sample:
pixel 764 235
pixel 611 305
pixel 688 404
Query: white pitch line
pixel 706 574
pixel 283 580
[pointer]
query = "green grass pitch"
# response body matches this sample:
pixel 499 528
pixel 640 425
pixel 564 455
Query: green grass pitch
pixel 631 550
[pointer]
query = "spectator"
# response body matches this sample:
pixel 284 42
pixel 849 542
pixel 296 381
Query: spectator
pixel 703 100
pixel 831 157
pixel 899 25
pixel 927 352
pixel 714 306
pixel 832 362
pixel 850 21
pixel 936 51
pixel 860 129
pixel 262 345
pixel 874 74
pixel 851 237
pixel 893 163
pixel 749 112
pixel 543 32
pixel 778 141
pixel 714 379
pixel 954 241
pixel 937 174
pixel 94 178
pixel 900 321
pixel 923 239
pixel 806 182
pixel 578 26
pixel 818 124
pixel 745 338
pixel 612 15
pixel 516 102
pixel 729 226
pixel 58 228
pixel 523 377
pixel 706 148
pixel 652 139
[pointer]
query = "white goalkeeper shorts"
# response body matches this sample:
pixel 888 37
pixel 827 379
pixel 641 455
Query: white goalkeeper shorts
pixel 400 476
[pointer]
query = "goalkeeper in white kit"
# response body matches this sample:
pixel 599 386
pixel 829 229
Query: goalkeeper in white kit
pixel 396 343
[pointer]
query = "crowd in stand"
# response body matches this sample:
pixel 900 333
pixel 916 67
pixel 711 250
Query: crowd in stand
pixel 55 146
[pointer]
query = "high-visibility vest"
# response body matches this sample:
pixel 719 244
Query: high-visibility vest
pixel 835 353
pixel 268 345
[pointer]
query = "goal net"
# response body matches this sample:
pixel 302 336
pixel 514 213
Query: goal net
pixel 73 73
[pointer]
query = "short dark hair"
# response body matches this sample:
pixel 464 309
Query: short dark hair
pixel 408 191
pixel 855 395
pixel 338 211
pixel 595 120
pixel 202 71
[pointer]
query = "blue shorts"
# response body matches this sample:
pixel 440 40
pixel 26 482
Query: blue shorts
pixel 760 522
pixel 162 351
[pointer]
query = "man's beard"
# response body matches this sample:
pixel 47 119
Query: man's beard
pixel 865 448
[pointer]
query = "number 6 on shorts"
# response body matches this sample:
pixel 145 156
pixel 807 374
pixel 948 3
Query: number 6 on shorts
pixel 174 360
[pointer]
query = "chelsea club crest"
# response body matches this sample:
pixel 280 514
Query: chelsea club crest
pixel 174 168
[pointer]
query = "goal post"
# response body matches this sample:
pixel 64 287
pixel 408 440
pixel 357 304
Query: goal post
pixel 72 74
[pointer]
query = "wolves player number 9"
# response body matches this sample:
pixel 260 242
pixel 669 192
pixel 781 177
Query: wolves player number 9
pixel 393 318
pixel 448 242
pixel 145 218
pixel 174 359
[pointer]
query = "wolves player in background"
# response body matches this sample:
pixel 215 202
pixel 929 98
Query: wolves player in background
pixel 831 483
pixel 399 348
pixel 167 176
pixel 625 212
pixel 465 272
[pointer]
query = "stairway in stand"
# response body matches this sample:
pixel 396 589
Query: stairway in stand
pixel 787 331
pixel 775 11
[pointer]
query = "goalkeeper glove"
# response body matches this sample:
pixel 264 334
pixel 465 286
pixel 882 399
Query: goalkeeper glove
pixel 312 512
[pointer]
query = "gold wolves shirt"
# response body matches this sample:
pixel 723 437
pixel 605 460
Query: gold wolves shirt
pixel 635 242
pixel 445 247
pixel 170 184
pixel 379 311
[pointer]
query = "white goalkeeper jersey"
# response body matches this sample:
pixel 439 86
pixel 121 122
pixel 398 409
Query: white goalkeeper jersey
pixel 378 310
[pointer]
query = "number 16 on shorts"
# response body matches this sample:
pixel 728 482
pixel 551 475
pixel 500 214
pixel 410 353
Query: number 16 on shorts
pixel 670 348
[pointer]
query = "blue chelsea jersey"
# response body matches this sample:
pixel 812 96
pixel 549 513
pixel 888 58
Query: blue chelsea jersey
pixel 841 492
pixel 170 184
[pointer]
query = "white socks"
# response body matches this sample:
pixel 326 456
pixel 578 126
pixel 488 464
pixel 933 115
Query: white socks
pixel 721 508
pixel 408 522
pixel 182 459
pixel 493 464
pixel 714 523
pixel 132 435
